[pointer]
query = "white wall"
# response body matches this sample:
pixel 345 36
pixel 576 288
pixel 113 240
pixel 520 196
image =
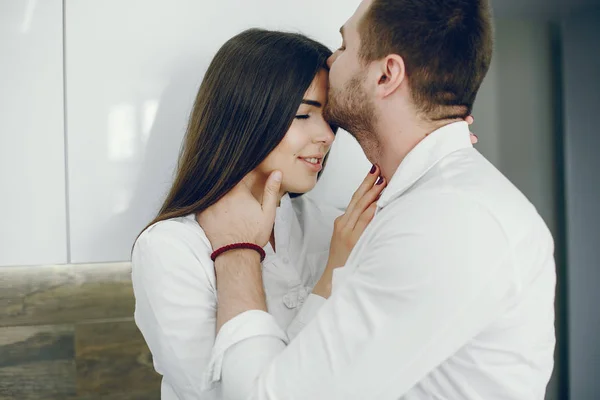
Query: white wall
pixel 33 224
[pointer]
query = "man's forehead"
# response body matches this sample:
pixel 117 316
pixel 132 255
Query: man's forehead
pixel 364 6
pixel 357 16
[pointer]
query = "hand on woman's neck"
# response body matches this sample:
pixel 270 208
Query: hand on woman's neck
pixel 256 181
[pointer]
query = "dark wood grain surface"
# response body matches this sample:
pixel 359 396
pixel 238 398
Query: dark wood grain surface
pixel 67 333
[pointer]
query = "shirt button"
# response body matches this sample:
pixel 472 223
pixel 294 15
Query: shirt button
pixel 302 295
pixel 289 302
pixel 286 260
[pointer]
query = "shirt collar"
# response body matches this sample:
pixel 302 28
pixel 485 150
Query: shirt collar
pixel 424 156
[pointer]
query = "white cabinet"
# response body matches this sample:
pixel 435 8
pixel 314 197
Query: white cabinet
pixel 33 222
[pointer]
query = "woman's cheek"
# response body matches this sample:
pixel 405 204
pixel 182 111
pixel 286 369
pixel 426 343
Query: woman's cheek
pixel 295 141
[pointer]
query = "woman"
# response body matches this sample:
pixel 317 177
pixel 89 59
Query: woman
pixel 258 109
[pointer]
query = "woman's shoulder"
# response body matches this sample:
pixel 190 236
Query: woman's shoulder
pixel 174 246
pixel 184 230
pixel 171 260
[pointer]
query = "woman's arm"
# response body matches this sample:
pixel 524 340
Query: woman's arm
pixel 347 229
pixel 175 304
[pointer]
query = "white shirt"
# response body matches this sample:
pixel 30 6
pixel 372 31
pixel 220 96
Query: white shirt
pixel 449 294
pixel 175 288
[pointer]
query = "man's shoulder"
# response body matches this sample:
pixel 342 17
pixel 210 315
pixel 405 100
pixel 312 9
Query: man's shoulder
pixel 471 178
pixel 468 193
pixel 435 208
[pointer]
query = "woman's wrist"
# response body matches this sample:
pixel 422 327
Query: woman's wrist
pixel 323 286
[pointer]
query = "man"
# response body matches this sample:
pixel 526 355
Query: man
pixel 449 292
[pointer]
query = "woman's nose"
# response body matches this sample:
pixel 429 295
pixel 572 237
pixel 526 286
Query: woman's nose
pixel 325 136
pixel 332 58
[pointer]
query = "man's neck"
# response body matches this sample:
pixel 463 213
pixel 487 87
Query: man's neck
pixel 398 136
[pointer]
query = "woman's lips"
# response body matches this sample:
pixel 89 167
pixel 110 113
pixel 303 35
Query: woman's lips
pixel 315 167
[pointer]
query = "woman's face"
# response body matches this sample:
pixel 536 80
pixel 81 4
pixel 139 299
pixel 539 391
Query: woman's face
pixel 299 156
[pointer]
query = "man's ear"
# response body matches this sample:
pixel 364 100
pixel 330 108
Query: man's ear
pixel 392 73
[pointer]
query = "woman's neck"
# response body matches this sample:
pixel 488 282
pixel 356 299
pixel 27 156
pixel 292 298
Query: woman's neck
pixel 256 182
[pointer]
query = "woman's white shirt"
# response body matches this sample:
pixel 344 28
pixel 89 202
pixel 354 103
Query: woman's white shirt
pixel 175 288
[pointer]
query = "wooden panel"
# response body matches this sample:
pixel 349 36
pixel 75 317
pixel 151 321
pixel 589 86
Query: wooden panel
pixel 65 294
pixel 98 353
pixel 137 395
pixel 37 363
pixel 113 358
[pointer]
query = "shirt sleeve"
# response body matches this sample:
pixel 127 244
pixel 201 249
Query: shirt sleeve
pixel 309 309
pixel 175 305
pixel 432 277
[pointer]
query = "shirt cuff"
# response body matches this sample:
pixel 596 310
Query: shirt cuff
pixel 311 306
pixel 246 325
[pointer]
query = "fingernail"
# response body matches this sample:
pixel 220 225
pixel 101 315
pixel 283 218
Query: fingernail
pixel 277 176
pixel 379 181
pixel 476 137
pixel 373 169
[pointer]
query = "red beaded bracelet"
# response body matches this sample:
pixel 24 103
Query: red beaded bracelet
pixel 234 246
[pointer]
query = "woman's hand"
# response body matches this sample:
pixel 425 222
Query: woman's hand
pixel 469 120
pixel 349 226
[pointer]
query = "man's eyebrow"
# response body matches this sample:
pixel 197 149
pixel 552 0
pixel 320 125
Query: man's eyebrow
pixel 311 103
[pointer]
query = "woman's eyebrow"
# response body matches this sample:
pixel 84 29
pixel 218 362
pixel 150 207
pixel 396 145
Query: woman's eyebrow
pixel 311 103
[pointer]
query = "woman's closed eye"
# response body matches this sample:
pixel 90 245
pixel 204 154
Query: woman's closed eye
pixel 302 116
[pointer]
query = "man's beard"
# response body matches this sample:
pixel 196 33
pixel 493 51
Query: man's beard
pixel 351 109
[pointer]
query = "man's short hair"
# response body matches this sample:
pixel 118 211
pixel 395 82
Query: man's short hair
pixel 446 46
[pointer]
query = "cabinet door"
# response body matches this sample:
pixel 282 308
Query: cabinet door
pixel 33 222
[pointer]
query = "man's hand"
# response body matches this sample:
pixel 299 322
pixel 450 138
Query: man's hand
pixel 239 217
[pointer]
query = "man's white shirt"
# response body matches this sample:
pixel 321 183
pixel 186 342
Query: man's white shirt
pixel 449 294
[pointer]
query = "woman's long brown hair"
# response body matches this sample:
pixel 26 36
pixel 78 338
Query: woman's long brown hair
pixel 244 107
